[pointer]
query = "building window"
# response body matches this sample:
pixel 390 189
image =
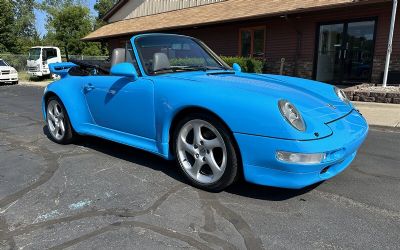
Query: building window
pixel 252 42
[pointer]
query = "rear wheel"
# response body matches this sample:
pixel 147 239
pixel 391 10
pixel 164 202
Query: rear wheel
pixel 205 153
pixel 58 121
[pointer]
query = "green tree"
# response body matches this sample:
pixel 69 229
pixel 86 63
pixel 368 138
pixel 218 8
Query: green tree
pixel 24 17
pixel 51 7
pixel 69 25
pixel 103 6
pixel 7 27
pixel 24 26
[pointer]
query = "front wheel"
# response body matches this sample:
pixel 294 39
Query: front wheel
pixel 58 121
pixel 205 152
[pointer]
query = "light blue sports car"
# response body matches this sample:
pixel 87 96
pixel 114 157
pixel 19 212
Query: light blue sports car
pixel 172 96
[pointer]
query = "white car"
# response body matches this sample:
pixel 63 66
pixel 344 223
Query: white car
pixel 8 74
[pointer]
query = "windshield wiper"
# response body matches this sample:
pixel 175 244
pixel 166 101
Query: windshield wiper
pixel 173 68
pixel 188 68
pixel 205 68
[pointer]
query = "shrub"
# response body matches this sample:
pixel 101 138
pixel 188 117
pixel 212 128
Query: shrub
pixel 16 61
pixel 250 65
pixel 187 61
pixel 247 64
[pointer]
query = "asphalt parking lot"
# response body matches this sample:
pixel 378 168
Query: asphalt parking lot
pixel 102 195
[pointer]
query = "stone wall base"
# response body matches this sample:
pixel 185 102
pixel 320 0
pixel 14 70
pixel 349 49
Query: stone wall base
pixel 303 68
pixel 361 93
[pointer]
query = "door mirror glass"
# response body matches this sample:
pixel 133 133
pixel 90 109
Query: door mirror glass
pixel 124 69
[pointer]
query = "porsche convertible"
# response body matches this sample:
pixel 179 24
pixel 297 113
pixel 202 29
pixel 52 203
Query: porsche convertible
pixel 173 96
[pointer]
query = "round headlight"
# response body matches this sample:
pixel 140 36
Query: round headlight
pixel 342 96
pixel 292 115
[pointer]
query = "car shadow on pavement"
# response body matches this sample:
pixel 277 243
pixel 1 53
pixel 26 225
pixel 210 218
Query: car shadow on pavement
pixel 127 153
pixel 168 167
pixel 7 83
pixel 246 189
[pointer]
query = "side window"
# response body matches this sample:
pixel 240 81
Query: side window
pixel 51 53
pixel 252 42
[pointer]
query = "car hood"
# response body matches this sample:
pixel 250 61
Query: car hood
pixel 6 68
pixel 314 100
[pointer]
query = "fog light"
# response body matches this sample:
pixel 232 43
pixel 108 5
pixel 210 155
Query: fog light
pixel 300 158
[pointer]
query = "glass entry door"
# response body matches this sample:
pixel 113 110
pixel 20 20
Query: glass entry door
pixel 345 52
pixel 329 65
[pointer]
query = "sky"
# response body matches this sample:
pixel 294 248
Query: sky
pixel 41 16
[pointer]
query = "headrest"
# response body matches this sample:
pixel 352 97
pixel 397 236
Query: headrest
pixel 119 55
pixel 160 61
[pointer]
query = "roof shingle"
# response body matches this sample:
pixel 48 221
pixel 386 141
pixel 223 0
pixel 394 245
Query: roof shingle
pixel 230 10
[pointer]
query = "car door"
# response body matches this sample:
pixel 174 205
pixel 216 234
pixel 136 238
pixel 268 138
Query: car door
pixel 122 104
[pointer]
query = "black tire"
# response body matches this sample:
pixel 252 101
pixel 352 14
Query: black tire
pixel 15 82
pixel 230 174
pixel 69 134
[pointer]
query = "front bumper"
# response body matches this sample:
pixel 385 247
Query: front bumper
pixel 35 73
pixel 261 166
pixel 9 78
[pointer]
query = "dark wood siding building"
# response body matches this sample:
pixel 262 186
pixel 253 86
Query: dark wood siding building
pixel 340 44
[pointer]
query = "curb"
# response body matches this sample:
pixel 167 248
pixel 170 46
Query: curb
pixel 394 105
pixel 36 84
pixel 385 128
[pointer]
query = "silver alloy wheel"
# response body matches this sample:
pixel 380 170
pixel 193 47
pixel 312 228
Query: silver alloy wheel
pixel 55 120
pixel 201 151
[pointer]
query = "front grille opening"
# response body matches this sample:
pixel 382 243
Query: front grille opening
pixel 323 171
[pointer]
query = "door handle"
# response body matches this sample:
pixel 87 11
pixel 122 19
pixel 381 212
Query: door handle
pixel 88 87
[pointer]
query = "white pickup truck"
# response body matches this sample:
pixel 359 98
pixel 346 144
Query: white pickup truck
pixel 39 59
pixel 8 74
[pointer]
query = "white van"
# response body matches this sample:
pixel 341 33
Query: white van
pixel 39 59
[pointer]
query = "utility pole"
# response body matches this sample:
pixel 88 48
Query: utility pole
pixel 390 42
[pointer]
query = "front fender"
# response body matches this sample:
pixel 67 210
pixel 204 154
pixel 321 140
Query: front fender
pixel 244 112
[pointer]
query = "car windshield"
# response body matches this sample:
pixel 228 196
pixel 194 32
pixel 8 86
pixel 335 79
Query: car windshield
pixel 173 53
pixel 3 63
pixel 34 53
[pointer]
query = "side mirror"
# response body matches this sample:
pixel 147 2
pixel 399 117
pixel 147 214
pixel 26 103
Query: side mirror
pixel 236 67
pixel 124 69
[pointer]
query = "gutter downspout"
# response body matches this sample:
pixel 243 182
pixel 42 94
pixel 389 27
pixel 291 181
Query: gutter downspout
pixel 390 42
pixel 299 38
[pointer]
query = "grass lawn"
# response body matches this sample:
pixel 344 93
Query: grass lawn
pixel 24 77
